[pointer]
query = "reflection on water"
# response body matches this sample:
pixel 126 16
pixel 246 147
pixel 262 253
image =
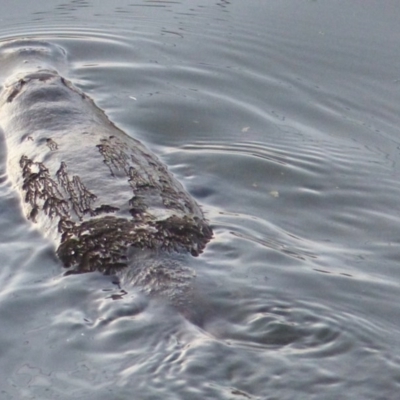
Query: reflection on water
pixel 281 119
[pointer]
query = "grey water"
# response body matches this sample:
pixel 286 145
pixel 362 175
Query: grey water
pixel 281 118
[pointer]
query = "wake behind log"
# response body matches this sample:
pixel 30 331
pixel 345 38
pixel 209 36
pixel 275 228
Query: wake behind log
pixel 87 185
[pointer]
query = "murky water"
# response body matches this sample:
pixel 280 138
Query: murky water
pixel 281 119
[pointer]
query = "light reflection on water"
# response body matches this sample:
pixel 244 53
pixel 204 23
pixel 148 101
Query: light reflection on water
pixel 284 127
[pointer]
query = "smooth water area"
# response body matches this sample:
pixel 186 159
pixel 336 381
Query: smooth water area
pixel 281 119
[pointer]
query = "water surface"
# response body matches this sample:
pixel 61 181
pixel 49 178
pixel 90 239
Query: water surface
pixel 281 119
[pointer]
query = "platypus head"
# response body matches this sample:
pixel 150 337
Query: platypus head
pixel 23 56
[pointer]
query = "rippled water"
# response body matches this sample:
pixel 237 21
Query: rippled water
pixel 281 119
